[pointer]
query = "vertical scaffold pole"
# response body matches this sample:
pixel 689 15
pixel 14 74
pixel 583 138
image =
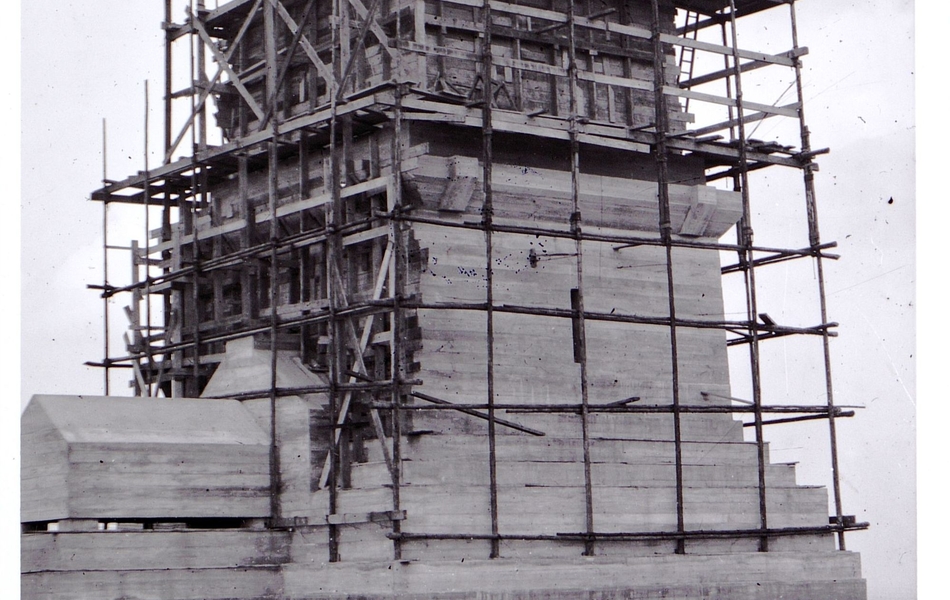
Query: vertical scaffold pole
pixel 578 300
pixel 746 241
pixel 166 196
pixel 270 45
pixel 199 202
pixel 814 239
pixel 666 233
pixel 334 248
pixel 395 323
pixel 146 197
pixel 105 270
pixel 202 83
pixel 487 216
pixel 191 224
pixel 168 80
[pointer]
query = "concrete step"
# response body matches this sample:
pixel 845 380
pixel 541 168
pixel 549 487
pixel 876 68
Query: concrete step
pixel 523 447
pixel 550 510
pixel 536 473
pixel 753 576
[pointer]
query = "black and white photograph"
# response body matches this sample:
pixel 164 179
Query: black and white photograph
pixel 472 299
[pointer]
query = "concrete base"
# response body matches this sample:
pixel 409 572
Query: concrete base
pixel 751 576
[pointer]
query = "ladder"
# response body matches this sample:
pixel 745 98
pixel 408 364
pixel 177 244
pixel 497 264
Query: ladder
pixel 687 53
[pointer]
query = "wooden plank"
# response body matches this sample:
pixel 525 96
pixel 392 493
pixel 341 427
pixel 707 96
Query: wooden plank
pixel 366 187
pixel 633 84
pixel 751 118
pixel 776 59
pixel 363 236
pixel 421 104
pixel 436 117
pixel 527 65
pixel 703 149
pixel 763 108
pixel 743 68
pixel 630 30
pixel 226 8
pixel 370 186
pixel 526 11
pixel 295 207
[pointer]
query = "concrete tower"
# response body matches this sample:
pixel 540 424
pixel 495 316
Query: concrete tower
pixel 441 315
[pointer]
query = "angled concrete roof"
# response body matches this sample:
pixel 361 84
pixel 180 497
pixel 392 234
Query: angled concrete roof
pixel 149 420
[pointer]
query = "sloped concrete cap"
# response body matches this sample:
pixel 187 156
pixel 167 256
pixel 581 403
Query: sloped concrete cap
pixel 246 369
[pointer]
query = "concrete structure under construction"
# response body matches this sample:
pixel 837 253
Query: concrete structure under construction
pixel 442 316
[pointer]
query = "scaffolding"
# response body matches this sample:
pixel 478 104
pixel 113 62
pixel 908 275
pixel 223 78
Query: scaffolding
pixel 296 77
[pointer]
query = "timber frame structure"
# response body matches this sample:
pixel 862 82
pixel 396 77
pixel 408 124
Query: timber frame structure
pixel 294 79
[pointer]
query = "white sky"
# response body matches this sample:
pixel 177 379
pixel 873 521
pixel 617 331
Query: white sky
pixel 85 61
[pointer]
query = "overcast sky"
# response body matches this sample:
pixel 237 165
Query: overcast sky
pixel 85 61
